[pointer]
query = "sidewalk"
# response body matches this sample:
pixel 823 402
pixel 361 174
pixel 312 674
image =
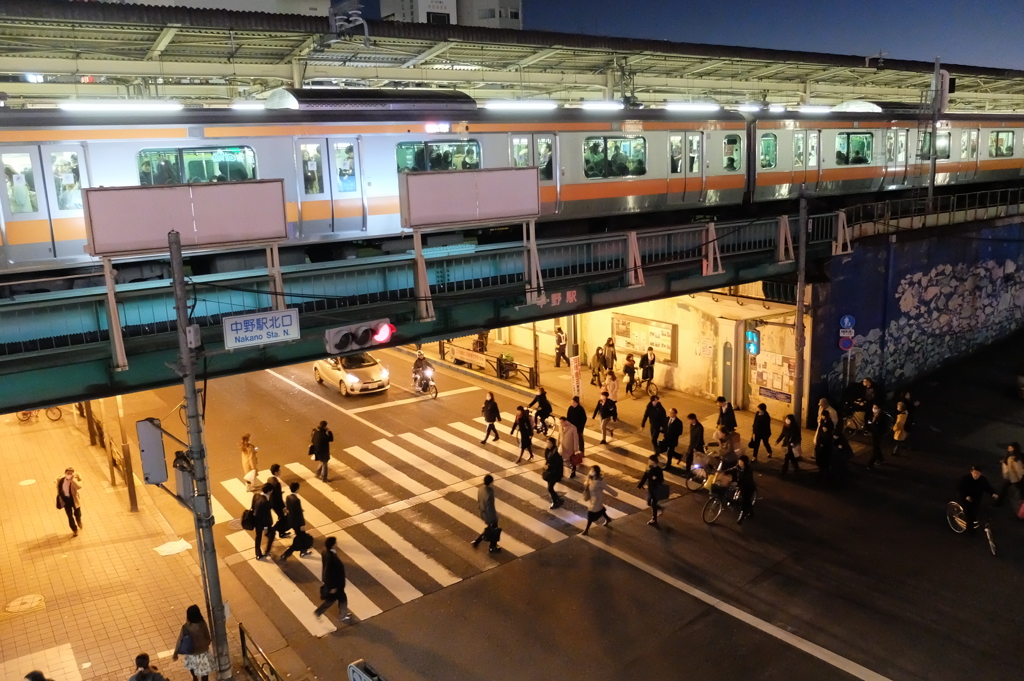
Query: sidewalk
pixel 83 607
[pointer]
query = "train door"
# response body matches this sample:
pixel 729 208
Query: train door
pixel 895 158
pixel 799 158
pixel 813 172
pixel 968 155
pixel 349 209
pixel 900 176
pixel 65 176
pixel 540 150
pixel 694 167
pixel 316 215
pixel 28 234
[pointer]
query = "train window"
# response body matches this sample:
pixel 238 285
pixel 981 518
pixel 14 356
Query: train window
pixel 158 166
pixel 964 145
pixel 66 180
pixel 457 155
pixel 693 153
pixel 890 147
pixel 1000 144
pixel 21 184
pixel 812 150
pixel 798 150
pixel 219 164
pixel 520 152
pixel 312 169
pixel 411 157
pixel 546 158
pixel 675 145
pixel 901 147
pixel 769 150
pixel 615 156
pixel 345 161
pixel 732 148
pixel 942 145
pixel 853 148
pixel 974 145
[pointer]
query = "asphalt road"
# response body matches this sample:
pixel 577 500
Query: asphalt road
pixel 863 582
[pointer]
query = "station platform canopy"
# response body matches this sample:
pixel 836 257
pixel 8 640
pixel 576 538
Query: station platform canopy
pixel 55 49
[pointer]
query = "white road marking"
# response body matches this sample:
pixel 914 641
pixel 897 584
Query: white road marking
pixel 361 606
pixel 386 469
pixel 418 462
pixel 220 514
pixel 443 454
pixel 510 544
pixel 314 517
pixel 343 470
pixel 503 445
pixel 525 520
pixel 470 447
pixel 334 496
pixel 236 488
pixel 431 567
pixel 541 502
pixel 378 569
pixel 326 401
pixel 823 654
pixel 411 400
pixel 606 450
pixel 291 596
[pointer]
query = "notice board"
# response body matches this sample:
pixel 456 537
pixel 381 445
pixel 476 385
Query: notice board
pixel 633 334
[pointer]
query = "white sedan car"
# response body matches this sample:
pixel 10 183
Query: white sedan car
pixel 353 374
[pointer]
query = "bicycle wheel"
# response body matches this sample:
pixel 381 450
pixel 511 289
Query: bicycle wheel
pixel 24 415
pixel 53 413
pixel 712 509
pixel 652 388
pixel 698 476
pixel 433 391
pixel 956 518
pixel 991 540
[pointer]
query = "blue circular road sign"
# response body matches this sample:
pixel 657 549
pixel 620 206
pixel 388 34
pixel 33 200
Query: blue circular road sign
pixel 847 321
pixel 846 343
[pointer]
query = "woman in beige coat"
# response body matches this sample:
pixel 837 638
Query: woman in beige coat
pixel 594 489
pixel 899 429
pixel 569 445
pixel 249 463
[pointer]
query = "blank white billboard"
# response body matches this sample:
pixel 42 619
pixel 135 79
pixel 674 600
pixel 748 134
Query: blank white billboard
pixel 454 197
pixel 130 220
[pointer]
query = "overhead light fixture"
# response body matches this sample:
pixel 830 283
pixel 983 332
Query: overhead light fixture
pixel 248 105
pixel 602 106
pixel 692 106
pixel 520 105
pixel 809 109
pixel 34 78
pixel 748 108
pixel 776 108
pixel 120 106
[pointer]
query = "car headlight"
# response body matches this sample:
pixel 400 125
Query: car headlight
pixel 384 373
pixel 351 378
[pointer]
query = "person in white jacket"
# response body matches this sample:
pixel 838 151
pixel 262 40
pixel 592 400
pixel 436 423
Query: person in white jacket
pixel 611 385
pixel 594 489
pixel 825 408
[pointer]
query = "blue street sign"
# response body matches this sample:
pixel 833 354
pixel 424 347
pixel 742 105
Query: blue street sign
pixel 847 321
pixel 846 344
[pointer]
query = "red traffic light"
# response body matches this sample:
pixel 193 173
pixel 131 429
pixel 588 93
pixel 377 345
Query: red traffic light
pixel 384 333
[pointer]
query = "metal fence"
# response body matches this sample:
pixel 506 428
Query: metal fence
pixel 896 215
pixel 255 660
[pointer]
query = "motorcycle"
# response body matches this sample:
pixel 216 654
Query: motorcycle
pixel 424 383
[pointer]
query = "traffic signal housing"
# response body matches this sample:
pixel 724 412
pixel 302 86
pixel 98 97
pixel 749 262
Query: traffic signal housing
pixel 358 336
pixel 754 342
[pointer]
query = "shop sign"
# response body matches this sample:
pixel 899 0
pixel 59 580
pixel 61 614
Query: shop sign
pixel 577 381
pixel 777 395
pixel 558 299
pixel 468 356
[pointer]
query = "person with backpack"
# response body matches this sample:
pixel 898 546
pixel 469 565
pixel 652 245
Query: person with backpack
pixel 262 520
pixel 554 471
pixel 144 671
pixel 303 542
pixel 594 489
pixel 320 448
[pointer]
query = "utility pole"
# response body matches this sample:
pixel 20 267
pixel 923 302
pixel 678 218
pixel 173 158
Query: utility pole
pixel 801 284
pixel 936 100
pixel 202 512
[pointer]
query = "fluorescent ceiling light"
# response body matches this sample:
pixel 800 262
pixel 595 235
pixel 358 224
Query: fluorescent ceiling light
pixel 748 108
pixel 692 106
pixel 248 106
pixel 776 108
pixel 602 106
pixel 120 105
pixel 807 109
pixel 520 105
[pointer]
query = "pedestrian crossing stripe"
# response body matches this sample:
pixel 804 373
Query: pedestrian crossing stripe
pixel 550 526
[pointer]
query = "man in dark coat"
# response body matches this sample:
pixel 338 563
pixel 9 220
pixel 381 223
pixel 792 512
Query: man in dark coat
pixel 647 363
pixel 673 431
pixel 297 522
pixel 277 500
pixel 973 487
pixel 561 342
pixel 696 440
pixel 333 576
pixel 261 515
pixel 726 415
pixel 655 413
pixel 762 430
pixel 320 448
pixel 577 416
pixel 878 425
pixel 489 514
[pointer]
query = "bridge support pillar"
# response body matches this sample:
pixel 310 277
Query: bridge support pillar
pixel 712 258
pixel 841 244
pixel 424 304
pixel 635 266
pixel 276 282
pixel 114 319
pixel 534 281
pixel 784 255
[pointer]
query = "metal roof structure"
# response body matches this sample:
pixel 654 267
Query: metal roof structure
pixel 211 57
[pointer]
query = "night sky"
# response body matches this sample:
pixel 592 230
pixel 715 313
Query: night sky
pixel 977 33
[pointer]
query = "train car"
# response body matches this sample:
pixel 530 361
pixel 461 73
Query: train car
pixel 340 154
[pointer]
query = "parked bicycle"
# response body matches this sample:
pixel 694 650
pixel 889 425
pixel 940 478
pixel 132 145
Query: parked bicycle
pixel 957 519
pixel 52 413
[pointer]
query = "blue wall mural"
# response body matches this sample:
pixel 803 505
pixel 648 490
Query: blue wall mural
pixel 919 302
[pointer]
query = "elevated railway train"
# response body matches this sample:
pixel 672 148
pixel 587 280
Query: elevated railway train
pixel 340 154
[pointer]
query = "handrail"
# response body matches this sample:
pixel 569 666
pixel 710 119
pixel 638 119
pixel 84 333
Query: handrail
pixel 898 215
pixel 262 668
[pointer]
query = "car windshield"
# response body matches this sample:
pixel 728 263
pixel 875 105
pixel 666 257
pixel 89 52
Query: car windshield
pixel 360 361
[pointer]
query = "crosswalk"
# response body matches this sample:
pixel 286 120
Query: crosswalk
pixel 404 510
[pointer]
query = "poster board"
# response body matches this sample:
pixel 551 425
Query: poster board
pixel 633 334
pixel 773 375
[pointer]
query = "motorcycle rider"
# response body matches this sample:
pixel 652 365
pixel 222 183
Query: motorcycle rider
pixel 418 367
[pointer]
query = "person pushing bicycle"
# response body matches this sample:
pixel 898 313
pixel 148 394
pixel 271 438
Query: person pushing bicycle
pixel 972 489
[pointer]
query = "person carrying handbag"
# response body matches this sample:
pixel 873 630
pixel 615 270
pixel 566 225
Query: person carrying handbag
pixel 657 490
pixel 790 439
pixel 194 645
pixel 594 489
